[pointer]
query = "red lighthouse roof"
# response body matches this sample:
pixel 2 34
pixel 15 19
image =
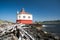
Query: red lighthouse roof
pixel 23 11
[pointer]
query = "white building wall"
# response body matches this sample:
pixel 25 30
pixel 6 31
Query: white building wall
pixel 26 17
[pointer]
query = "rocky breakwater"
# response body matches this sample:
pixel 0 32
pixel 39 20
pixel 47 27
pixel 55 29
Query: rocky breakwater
pixel 7 32
pixel 39 34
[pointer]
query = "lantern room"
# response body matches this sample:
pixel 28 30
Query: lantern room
pixel 24 17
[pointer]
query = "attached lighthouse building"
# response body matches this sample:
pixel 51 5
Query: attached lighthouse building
pixel 24 17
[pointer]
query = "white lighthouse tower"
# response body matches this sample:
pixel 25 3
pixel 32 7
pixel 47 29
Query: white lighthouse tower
pixel 24 17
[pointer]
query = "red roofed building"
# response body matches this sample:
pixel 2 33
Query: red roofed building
pixel 24 17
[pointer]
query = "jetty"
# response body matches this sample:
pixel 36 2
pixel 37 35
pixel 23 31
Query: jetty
pixel 25 32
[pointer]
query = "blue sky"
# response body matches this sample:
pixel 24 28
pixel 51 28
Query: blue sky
pixel 41 10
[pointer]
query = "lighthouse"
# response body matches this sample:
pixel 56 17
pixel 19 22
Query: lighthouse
pixel 24 17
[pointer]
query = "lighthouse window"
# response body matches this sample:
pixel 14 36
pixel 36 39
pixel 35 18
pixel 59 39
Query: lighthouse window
pixel 23 16
pixel 28 16
pixel 19 16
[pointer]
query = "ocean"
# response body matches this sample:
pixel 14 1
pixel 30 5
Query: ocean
pixel 53 28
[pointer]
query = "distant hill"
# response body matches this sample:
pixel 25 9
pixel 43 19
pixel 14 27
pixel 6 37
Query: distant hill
pixel 49 22
pixel 52 22
pixel 4 21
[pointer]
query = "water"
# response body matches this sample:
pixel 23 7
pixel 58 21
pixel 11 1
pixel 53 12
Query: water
pixel 54 28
